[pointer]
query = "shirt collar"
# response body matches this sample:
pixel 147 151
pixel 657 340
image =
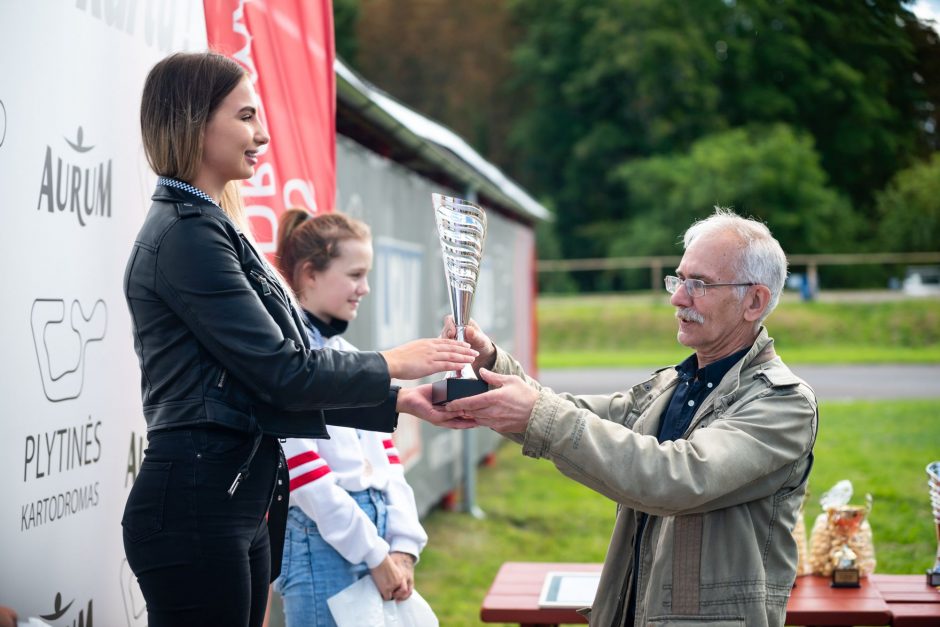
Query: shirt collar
pixel 326 329
pixel 186 187
pixel 713 372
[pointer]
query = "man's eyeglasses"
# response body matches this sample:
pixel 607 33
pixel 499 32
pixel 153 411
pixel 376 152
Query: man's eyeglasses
pixel 695 288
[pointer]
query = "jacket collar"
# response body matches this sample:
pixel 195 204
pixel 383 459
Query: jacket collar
pixel 654 390
pixel 761 351
pixel 326 329
pixel 165 193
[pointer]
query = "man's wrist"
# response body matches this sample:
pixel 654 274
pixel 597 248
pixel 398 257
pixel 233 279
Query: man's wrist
pixel 487 361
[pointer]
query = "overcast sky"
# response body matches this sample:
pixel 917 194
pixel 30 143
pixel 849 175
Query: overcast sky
pixel 927 10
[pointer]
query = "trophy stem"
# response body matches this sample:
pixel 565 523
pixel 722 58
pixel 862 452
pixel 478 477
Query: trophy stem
pixel 937 564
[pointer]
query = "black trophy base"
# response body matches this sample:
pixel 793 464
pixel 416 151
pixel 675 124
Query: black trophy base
pixel 447 390
pixel 845 578
pixel 933 577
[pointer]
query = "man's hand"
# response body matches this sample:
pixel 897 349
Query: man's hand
pixel 7 617
pixel 417 402
pixel 421 358
pixel 406 562
pixel 477 339
pixel 505 409
pixel 388 578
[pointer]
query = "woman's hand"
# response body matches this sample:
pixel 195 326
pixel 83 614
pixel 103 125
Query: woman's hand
pixel 406 562
pixel 478 341
pixel 417 402
pixel 389 578
pixel 421 358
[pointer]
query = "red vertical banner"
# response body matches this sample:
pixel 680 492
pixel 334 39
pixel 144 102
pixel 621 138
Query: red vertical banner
pixel 287 48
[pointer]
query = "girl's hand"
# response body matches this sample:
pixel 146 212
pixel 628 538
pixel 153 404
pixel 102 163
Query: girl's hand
pixel 406 562
pixel 388 578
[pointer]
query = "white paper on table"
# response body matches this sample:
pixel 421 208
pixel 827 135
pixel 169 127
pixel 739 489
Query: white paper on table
pixel 569 589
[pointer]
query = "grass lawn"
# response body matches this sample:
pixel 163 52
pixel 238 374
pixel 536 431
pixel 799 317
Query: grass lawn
pixel 614 330
pixel 536 514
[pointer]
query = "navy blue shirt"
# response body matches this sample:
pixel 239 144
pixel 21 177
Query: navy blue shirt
pixel 694 385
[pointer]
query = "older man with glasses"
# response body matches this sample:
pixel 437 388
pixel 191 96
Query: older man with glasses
pixel 707 460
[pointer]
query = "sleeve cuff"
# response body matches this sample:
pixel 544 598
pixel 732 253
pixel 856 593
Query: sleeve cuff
pixel 406 545
pixel 537 439
pixel 504 362
pixel 377 555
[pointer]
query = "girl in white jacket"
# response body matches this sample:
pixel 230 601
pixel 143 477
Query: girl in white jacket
pixel 352 513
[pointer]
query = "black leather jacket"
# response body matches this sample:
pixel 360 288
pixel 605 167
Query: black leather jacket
pixel 220 343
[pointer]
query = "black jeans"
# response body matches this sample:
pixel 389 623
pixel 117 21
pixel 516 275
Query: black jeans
pixel 201 557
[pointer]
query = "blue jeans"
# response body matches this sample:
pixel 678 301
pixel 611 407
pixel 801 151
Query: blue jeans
pixel 312 571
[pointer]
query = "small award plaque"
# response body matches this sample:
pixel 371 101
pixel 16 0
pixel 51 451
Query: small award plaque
pixel 845 572
pixel 461 226
pixel 847 521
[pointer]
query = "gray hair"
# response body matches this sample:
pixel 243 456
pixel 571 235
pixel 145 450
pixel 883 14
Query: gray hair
pixel 761 259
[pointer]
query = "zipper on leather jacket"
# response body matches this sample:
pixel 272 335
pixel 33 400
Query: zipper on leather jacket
pixel 263 280
pixel 222 379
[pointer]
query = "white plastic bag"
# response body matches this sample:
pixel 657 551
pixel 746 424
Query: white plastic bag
pixel 360 605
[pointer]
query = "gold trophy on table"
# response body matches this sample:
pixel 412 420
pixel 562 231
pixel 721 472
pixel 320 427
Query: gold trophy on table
pixel 846 520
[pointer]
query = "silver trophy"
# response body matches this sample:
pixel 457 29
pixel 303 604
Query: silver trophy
pixel 933 482
pixel 461 226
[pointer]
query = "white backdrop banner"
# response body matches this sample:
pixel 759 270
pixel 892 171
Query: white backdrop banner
pixel 75 187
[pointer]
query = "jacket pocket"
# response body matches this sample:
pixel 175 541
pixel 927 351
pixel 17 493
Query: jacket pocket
pixel 143 514
pixel 262 280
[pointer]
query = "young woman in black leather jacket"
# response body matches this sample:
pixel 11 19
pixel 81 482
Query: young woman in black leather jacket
pixel 226 366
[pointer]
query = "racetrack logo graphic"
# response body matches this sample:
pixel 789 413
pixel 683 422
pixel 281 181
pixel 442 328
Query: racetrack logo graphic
pixel 61 344
pixel 3 123
pixel 58 612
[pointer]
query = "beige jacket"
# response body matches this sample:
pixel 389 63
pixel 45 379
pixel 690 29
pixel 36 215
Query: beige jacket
pixel 717 548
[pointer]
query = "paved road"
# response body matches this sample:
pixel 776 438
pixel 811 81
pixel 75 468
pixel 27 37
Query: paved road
pixel 831 383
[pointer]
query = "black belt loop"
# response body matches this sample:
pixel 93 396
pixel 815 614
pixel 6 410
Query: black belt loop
pixel 243 470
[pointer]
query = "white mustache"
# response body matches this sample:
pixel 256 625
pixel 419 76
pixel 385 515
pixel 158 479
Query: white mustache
pixel 690 315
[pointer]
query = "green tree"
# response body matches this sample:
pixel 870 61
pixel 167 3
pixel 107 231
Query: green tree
pixel 909 209
pixel 927 49
pixel 345 17
pixel 448 60
pixel 616 80
pixel 771 173
pixel 843 70
pixel 608 81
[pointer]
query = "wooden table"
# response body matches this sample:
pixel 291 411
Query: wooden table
pixel 902 600
pixel 912 602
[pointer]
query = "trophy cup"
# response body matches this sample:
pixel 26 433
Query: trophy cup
pixel 461 226
pixel 846 521
pixel 933 472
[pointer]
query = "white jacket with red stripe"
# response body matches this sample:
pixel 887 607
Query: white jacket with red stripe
pixel 324 472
